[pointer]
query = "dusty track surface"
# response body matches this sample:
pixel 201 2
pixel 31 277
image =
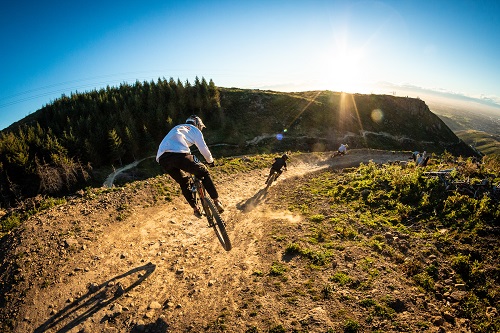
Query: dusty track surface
pixel 158 268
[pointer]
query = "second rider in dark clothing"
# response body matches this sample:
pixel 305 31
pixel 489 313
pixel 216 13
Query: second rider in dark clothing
pixel 278 166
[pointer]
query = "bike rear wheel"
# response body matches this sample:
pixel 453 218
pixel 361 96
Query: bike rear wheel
pixel 216 222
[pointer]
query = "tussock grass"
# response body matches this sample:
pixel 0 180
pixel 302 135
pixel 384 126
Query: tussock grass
pixel 388 211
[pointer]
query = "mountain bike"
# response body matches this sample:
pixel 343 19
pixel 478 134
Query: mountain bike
pixel 214 219
pixel 271 178
pixel 338 153
pixel 475 191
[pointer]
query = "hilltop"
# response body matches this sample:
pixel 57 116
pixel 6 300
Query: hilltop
pixel 135 259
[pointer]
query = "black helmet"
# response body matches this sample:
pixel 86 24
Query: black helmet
pixel 196 121
pixel 285 156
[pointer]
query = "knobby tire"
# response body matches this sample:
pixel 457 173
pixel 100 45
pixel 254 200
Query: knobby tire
pixel 215 221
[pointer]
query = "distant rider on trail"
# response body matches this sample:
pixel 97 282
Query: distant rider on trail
pixel 175 157
pixel 277 166
pixel 341 151
pixel 422 159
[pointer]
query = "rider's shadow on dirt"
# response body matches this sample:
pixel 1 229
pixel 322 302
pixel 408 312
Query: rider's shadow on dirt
pixel 249 204
pixel 159 326
pixel 97 298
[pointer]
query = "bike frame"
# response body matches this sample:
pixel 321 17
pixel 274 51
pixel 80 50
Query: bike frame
pixel 213 217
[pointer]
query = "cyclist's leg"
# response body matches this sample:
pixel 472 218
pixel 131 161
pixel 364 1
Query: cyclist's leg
pixel 199 169
pixel 169 165
pixel 188 164
pixel 269 176
pixel 184 182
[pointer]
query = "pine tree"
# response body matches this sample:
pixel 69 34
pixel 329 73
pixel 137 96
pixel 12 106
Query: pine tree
pixel 214 95
pixel 116 148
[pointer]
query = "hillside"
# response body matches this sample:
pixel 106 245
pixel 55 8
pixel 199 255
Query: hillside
pixel 69 144
pixel 477 125
pixel 486 143
pixel 321 120
pixel 135 259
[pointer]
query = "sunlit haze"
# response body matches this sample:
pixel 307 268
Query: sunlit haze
pixel 55 48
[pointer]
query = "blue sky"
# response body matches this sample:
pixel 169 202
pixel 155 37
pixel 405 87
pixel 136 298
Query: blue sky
pixel 50 48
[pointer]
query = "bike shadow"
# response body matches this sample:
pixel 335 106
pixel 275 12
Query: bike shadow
pixel 97 298
pixel 249 204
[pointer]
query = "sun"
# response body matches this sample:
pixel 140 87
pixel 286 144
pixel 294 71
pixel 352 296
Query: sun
pixel 342 66
pixel 345 70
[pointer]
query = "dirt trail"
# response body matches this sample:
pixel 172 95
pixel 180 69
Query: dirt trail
pixel 160 267
pixel 111 178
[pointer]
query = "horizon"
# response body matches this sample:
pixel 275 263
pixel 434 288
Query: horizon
pixel 390 47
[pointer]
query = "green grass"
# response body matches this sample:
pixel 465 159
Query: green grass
pixel 16 217
pixel 277 269
pixel 351 326
pixel 341 278
pixel 357 206
pixel 317 257
pixel 486 143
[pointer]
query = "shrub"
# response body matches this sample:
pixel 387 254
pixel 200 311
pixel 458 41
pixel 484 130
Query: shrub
pixel 432 270
pixel 277 269
pixel 367 302
pixel 383 311
pixel 457 207
pixel 424 281
pixel 317 218
pixel 461 264
pixel 327 291
pixel 277 329
pixel 293 249
pixel 351 326
pixel 491 164
pixel 341 278
pixel 317 257
pixel 10 222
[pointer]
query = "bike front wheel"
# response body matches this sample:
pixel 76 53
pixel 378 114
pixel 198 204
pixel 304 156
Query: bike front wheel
pixel 216 222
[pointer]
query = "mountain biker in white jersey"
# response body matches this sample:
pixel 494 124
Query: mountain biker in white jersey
pixel 175 156
pixel 343 149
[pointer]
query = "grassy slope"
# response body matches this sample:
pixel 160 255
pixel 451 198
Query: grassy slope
pixel 476 128
pixel 393 228
pixel 485 142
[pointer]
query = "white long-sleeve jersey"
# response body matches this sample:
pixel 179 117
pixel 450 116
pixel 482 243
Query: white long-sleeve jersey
pixel 180 138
